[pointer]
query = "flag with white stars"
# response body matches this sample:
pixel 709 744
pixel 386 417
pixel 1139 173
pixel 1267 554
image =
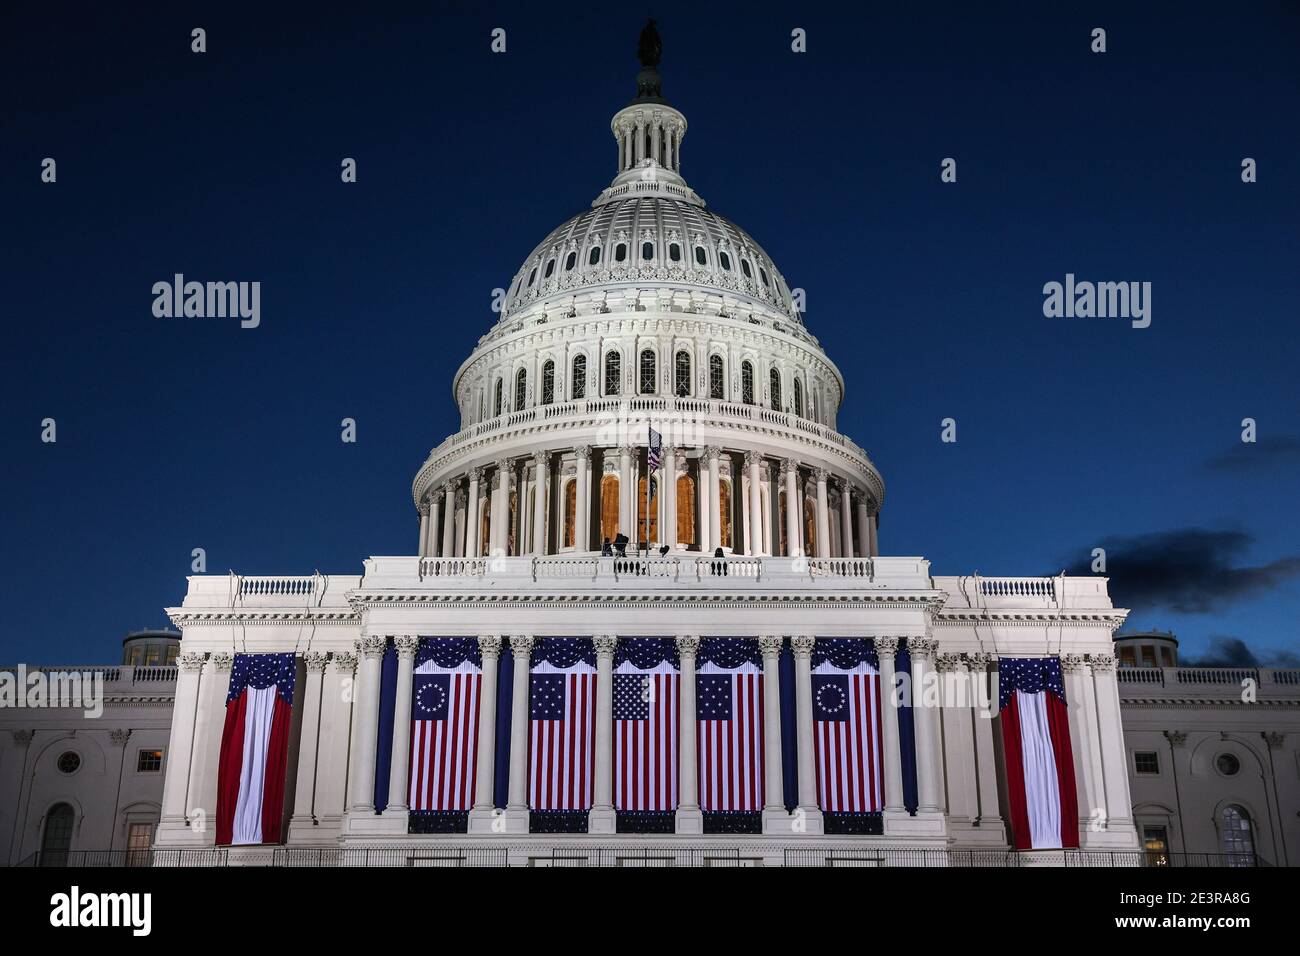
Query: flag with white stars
pixel 1041 797
pixel 562 724
pixel 847 726
pixel 445 700
pixel 729 724
pixel 646 688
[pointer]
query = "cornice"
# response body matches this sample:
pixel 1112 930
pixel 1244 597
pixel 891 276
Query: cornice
pixel 362 601
pixel 227 615
pixel 1014 616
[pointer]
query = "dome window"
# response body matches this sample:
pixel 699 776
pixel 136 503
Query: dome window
pixel 496 400
pixel 716 380
pixel 747 383
pixel 762 274
pixel 532 276
pixel 774 383
pixel 594 258
pixel 550 267
pixel 700 258
pixel 682 374
pixel 674 252
pixel 647 384
pixel 647 250
pixel 798 398
pixel 521 389
pixel 579 376
pixel 725 260
pixel 548 382
pixel 571 261
pixel 613 373
pixel 620 252
pixel 744 267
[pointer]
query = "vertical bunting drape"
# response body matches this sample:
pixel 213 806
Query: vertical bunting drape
pixel 907 728
pixel 505 695
pixel 789 730
pixel 646 692
pixel 384 742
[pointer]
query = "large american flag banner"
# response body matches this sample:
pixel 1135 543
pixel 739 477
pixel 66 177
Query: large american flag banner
pixel 729 714
pixel 646 686
pixel 448 682
pixel 254 749
pixel 562 723
pixel 847 726
pixel 1043 805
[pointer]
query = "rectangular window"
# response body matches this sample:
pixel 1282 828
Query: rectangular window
pixel 1146 761
pixel 148 761
pixel 1155 841
pixel 139 836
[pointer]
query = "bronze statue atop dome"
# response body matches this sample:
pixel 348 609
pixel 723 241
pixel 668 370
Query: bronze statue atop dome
pixel 649 47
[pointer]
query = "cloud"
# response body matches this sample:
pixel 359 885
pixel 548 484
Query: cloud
pixel 1188 570
pixel 1228 651
pixel 1279 451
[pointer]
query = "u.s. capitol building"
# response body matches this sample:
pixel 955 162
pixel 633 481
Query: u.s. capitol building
pixel 529 686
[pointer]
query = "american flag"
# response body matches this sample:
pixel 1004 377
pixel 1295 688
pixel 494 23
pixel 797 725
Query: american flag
pixel 729 712
pixel 254 749
pixel 654 453
pixel 846 727
pixel 448 682
pixel 562 705
pixel 646 685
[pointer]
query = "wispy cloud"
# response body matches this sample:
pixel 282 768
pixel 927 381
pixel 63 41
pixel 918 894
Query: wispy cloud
pixel 1228 651
pixel 1272 452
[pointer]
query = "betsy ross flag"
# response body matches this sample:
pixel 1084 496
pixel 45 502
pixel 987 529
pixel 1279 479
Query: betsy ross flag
pixel 254 748
pixel 846 726
pixel 448 682
pixel 646 684
pixel 1040 765
pixel 561 725
pixel 729 712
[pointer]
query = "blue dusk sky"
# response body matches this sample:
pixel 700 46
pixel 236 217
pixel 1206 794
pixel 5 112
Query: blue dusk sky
pixel 1072 433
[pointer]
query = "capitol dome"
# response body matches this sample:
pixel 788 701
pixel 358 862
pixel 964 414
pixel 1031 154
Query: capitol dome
pixel 648 312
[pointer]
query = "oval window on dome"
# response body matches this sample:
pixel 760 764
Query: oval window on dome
pixel 594 258
pixel 674 252
pixel 744 267
pixel 647 250
pixel 570 262
pixel 725 260
pixel 532 276
pixel 620 252
pixel 699 255
pixel 550 267
pixel 762 274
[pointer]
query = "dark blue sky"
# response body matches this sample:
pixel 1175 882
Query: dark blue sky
pixel 1072 433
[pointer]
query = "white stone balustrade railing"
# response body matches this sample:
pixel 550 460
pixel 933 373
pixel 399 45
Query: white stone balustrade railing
pixel 1208 681
pixel 115 676
pixel 1018 587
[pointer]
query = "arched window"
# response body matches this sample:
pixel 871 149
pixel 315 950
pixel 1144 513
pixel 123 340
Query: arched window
pixel 620 252
pixel 700 258
pixel 496 400
pixel 810 527
pixel 747 383
pixel 521 388
pixel 682 374
pixel 724 513
pixel 485 527
pixel 570 513
pixel 717 383
pixel 579 376
pixel 762 274
pixel 774 386
pixel 613 373
pixel 798 397
pixel 1235 838
pixel 785 547
pixel 642 534
pixel 646 384
pixel 725 260
pixel 532 275
pixel 674 252
pixel 548 382
pixel 685 511
pixel 550 267
pixel 609 508
pixel 647 250
pixel 594 258
pixel 57 838
pixel 571 261
pixel 744 267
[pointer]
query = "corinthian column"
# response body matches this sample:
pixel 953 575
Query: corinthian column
pixel 582 539
pixel 864 535
pixel 811 814
pixel 541 487
pixel 928 746
pixel 790 475
pixel 483 813
pixel 365 742
pixel 775 819
pixel 669 534
pixel 449 523
pixel 516 816
pixel 499 528
pixel 602 818
pixel 626 495
pixel 689 818
pixel 715 498
pixel 176 784
pixel 473 533
pixel 823 515
pixel 304 801
pixel 753 461
pixel 399 768
pixel 422 549
pixel 891 757
pixel 1118 809
pixel 846 521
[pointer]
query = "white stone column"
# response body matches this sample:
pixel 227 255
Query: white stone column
pixel 473 527
pixel 214 685
pixel 602 818
pixel 753 460
pixel 337 694
pixel 626 495
pixel 173 827
pixel 802 645
pixel 929 784
pixel 986 768
pixel 864 533
pixel 715 498
pixel 775 818
pixel 891 755
pixel 516 815
pixel 583 504
pixel 846 521
pixel 541 488
pixel 484 810
pixel 1118 822
pixel 790 475
pixel 399 768
pixel 435 513
pixel 690 819
pixel 449 524
pixel 703 525
pixel 669 533
pixel 823 529
pixel 422 549
pixel 499 531
pixel 873 523
pixel 370 649
pixel 1075 671
pixel 960 795
pixel 304 801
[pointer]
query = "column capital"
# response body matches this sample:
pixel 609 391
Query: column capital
pixel 977 660
pixel 769 644
pixel 626 451
pixel 605 644
pixel 921 646
pixel 688 645
pixel 423 507
pixel 821 475
pixel 190 661
pixel 521 645
pixel 1102 663
pixel 449 486
pixel 406 645
pixel 885 645
pixel 789 467
pixel 711 453
pixel 542 459
pixel 476 474
pixel 489 646
pixel 949 662
pixel 222 660
pixel 1073 663
pixel 370 646
pixel 502 465
pixel 316 661
pixel 753 458
pixel 582 452
pixel 345 662
pixel 802 644
pixel 668 451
